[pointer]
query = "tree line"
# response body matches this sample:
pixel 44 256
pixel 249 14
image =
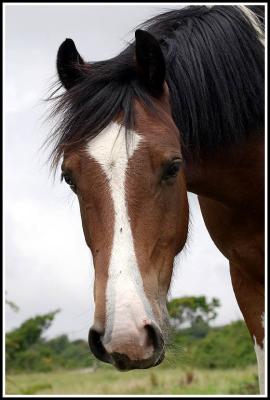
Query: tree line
pixel 203 346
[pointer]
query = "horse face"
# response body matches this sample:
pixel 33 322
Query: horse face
pixel 134 209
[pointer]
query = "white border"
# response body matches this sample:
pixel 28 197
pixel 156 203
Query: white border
pixel 133 4
pixel 266 203
pixel 266 187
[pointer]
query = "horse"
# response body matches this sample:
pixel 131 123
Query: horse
pixel 180 109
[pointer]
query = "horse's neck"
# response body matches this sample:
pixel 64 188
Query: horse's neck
pixel 234 177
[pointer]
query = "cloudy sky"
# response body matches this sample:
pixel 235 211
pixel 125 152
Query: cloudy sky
pixel 47 263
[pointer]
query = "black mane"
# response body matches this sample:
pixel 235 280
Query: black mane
pixel 215 73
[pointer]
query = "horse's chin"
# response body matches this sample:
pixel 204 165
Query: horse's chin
pixel 146 364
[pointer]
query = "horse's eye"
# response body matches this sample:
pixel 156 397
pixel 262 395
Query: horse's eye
pixel 69 181
pixel 172 169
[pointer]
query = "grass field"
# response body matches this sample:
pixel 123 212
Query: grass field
pixel 159 380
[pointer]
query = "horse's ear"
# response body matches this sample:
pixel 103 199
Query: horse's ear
pixel 68 61
pixel 150 61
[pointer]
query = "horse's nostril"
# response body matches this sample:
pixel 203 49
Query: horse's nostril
pixel 96 346
pixel 155 337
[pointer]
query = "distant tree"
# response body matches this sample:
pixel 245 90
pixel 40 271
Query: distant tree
pixel 199 328
pixel 27 334
pixel 59 343
pixel 27 349
pixel 193 311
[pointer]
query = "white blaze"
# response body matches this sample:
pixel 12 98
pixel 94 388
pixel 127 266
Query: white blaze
pixel 126 303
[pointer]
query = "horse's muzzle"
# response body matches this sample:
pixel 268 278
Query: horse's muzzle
pixel 121 360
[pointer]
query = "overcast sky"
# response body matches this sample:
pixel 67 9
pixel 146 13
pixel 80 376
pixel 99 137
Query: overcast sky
pixel 47 262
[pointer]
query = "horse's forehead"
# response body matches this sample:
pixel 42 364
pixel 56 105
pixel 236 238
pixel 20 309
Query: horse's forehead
pixel 112 148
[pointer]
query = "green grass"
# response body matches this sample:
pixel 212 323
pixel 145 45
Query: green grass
pixel 159 380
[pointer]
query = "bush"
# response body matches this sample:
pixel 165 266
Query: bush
pixel 229 346
pixel 27 351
